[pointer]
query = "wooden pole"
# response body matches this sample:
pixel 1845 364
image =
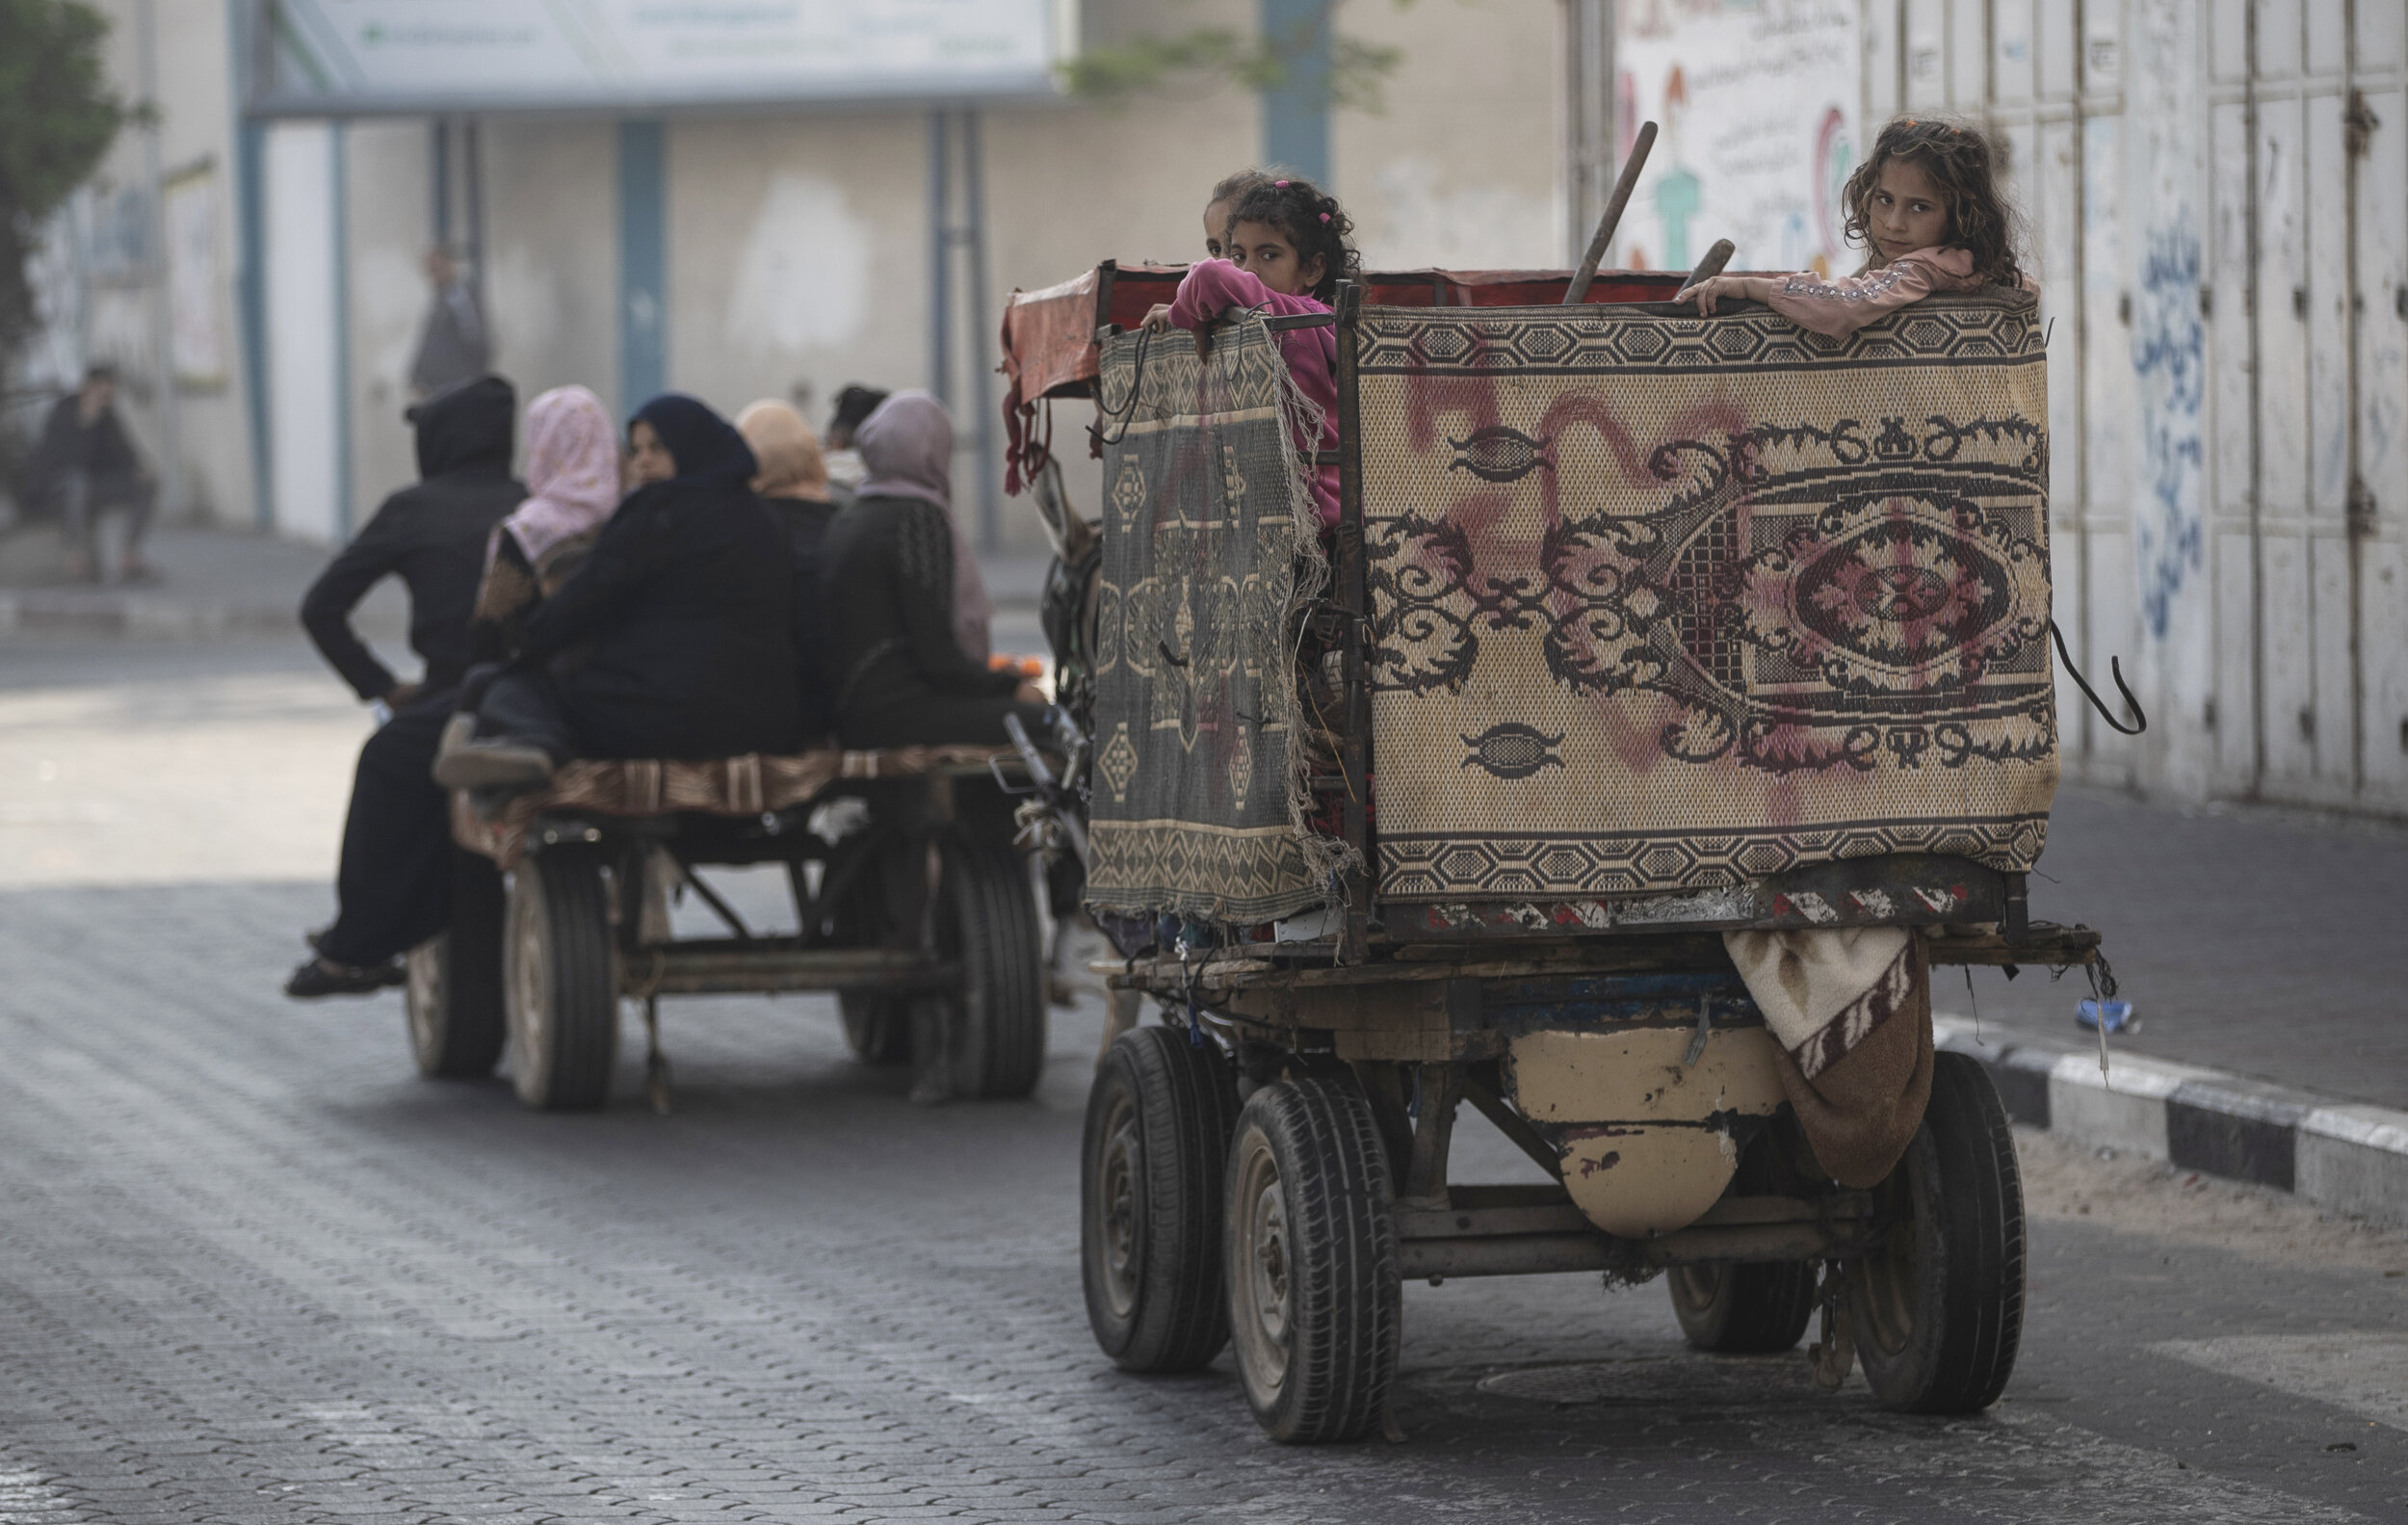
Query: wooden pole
pixel 1577 292
pixel 1712 264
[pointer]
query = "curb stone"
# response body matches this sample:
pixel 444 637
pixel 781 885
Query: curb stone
pixel 2345 1157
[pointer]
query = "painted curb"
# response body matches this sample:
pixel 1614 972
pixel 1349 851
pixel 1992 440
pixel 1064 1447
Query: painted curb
pixel 2348 1158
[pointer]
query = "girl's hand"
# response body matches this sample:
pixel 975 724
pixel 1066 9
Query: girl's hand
pixel 1157 317
pixel 1707 290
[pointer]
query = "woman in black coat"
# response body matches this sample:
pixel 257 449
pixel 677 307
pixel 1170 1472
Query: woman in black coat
pixel 673 639
pixel 896 627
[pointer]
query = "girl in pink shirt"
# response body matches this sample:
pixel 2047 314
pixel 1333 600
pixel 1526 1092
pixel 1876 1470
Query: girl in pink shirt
pixel 1926 203
pixel 1288 250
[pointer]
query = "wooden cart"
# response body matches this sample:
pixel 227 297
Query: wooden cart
pixel 1267 1165
pixel 912 905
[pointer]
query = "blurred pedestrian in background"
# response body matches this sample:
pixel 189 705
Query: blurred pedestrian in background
pixel 451 348
pixel 84 464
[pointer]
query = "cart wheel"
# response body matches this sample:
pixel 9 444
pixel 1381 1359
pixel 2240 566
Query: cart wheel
pixel 1743 1308
pixel 1939 1310
pixel 878 1028
pixel 455 991
pixel 1740 1307
pixel 986 922
pixel 1316 1306
pixel 562 990
pixel 1157 1142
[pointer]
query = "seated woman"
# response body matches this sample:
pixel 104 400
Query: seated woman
pixel 673 639
pixel 793 483
pixel 573 477
pixel 908 656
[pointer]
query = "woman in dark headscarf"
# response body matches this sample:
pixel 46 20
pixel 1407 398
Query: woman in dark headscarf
pixel 679 620
pixel 907 630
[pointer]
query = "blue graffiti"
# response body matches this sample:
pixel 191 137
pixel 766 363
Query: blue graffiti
pixel 2169 360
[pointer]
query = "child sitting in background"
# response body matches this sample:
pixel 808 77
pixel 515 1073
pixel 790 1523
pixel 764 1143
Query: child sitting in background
pixel 1925 202
pixel 1288 250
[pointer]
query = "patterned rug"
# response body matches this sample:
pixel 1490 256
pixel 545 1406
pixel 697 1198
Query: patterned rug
pixel 1667 602
pixel 1208 547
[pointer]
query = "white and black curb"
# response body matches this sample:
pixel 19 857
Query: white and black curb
pixel 2350 1159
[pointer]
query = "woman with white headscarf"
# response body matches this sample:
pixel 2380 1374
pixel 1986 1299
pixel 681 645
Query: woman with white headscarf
pixel 907 612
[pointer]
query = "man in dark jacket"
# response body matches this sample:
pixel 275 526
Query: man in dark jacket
pixel 395 880
pixel 84 464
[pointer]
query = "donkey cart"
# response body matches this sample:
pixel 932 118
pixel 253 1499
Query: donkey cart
pixel 1651 656
pixel 911 905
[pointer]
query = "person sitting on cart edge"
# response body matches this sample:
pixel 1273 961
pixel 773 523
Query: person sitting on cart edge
pixel 1926 205
pixel 393 886
pixel 793 484
pixel 673 639
pixel 908 660
pixel 1288 251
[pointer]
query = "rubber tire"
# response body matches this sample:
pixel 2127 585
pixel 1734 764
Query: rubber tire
pixel 1938 1317
pixel 878 1028
pixel 1746 1307
pixel 986 921
pixel 561 982
pixel 1159 1120
pixel 1324 1370
pixel 454 996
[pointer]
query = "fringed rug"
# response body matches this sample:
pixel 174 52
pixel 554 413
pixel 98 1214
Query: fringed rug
pixel 1665 602
pixel 1208 547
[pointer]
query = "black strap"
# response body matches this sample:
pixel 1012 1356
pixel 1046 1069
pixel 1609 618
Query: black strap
pixel 2139 716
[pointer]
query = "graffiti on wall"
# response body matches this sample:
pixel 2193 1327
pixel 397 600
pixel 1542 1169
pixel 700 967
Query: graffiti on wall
pixel 1756 107
pixel 2169 369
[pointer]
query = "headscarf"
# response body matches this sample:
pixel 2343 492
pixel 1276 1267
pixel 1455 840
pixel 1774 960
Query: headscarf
pixel 572 471
pixel 788 449
pixel 705 446
pixel 907 446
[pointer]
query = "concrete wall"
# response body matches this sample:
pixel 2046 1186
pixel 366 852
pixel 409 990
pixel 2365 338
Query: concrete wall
pixel 104 308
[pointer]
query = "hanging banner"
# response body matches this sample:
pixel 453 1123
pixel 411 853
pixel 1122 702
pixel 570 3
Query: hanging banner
pixel 344 56
pixel 1755 103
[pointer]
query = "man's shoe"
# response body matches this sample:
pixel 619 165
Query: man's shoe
pixel 492 765
pixel 318 979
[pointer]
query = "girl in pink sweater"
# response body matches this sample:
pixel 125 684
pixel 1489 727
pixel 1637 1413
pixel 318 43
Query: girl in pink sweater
pixel 1288 250
pixel 1926 203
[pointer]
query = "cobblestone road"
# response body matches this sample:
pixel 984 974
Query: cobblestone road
pixel 253 1270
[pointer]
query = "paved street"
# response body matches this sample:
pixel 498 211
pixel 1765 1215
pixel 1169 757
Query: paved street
pixel 253 1269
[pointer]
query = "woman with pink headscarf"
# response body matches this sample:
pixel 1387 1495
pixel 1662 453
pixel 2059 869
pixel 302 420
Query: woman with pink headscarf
pixel 907 612
pixel 572 487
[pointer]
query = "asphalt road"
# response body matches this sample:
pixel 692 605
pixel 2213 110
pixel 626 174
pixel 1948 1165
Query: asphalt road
pixel 253 1269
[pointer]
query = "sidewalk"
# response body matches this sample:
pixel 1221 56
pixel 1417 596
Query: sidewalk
pixel 211 583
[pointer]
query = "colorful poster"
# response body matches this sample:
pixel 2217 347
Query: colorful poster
pixel 1756 105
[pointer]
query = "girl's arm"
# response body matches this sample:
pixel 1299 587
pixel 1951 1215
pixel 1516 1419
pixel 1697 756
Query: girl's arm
pixel 1837 306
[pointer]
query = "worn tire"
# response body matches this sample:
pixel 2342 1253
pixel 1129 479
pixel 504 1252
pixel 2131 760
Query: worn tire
pixel 1938 1312
pixel 878 1028
pixel 1316 1306
pixel 561 986
pixel 454 996
pixel 1745 1307
pixel 986 922
pixel 1159 1118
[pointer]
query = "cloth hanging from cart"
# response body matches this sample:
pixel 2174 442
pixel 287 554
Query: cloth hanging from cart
pixel 1849 1009
pixel 1210 546
pixel 1667 603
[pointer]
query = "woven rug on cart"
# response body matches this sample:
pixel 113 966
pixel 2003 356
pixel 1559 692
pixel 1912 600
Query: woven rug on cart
pixel 1198 802
pixel 1665 603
